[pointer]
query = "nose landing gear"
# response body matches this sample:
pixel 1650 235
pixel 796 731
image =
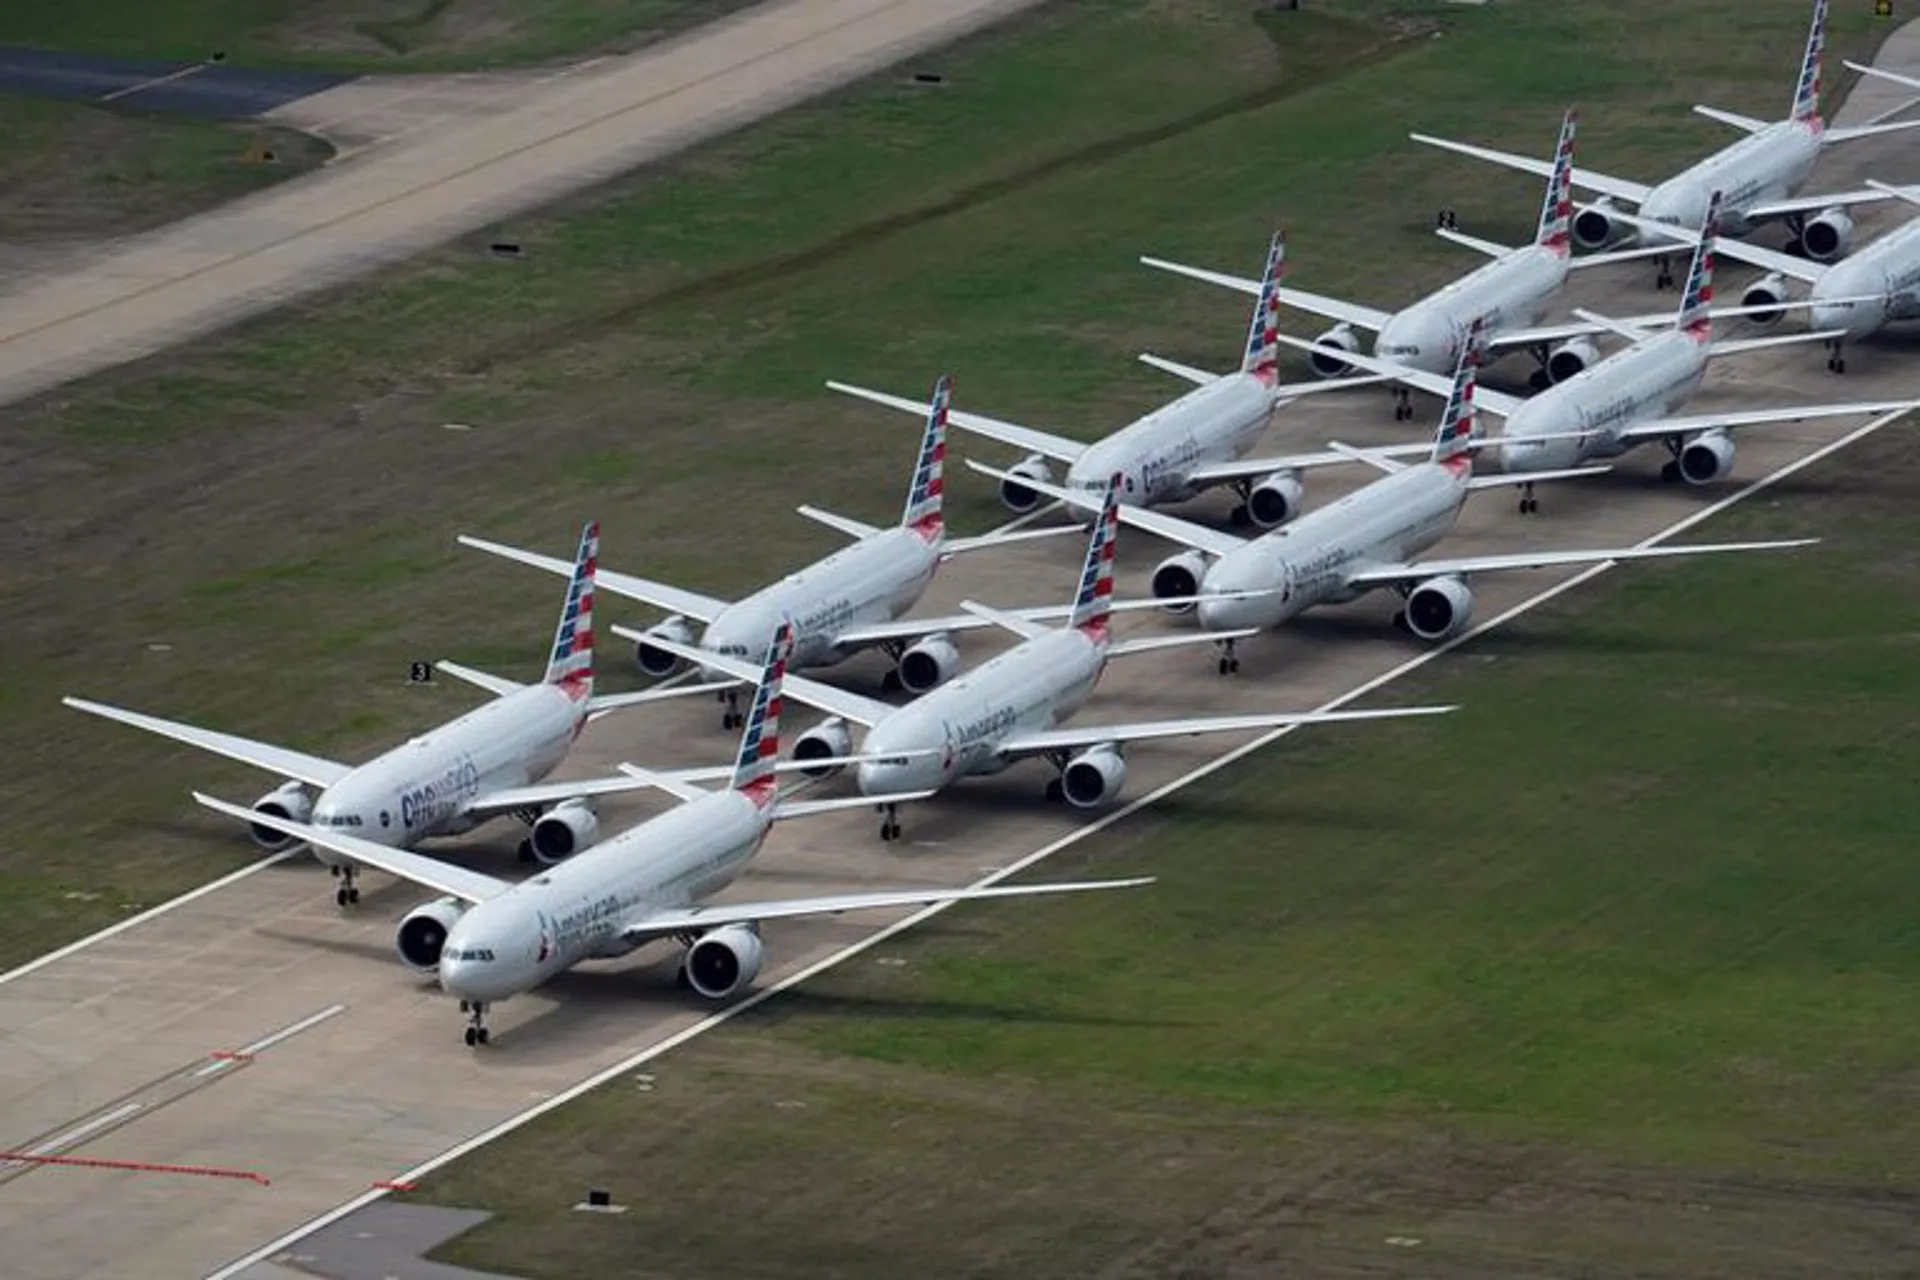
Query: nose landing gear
pixel 1402 404
pixel 1229 663
pixel 1663 268
pixel 889 822
pixel 1529 505
pixel 1836 361
pixel 476 1012
pixel 349 891
pixel 731 718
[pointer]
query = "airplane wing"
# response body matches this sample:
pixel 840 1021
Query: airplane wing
pixel 673 599
pixel 1759 417
pixel 1059 448
pixel 1198 377
pixel 1250 468
pixel 1585 179
pixel 1746 124
pixel 1093 735
pixel 441 877
pixel 667 924
pixel 498 686
pixel 1317 304
pixel 855 529
pixel 288 763
pixel 1494 402
pixel 1814 204
pixel 833 700
pixel 984 541
pixel 1185 532
pixel 1395 574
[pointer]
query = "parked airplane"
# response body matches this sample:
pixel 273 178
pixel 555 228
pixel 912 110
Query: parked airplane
pixel 486 763
pixel 1012 707
pixel 489 940
pixel 849 601
pixel 1508 296
pixel 1759 175
pixel 1629 398
pixel 1172 454
pixel 1340 552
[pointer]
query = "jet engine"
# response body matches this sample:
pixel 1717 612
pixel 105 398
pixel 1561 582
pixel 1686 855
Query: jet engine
pixel 1767 291
pixel 828 740
pixel 1598 226
pixel 289 801
pixel 1439 609
pixel 1341 339
pixel 1706 458
pixel 1093 777
pixel 563 831
pixel 1827 235
pixel 1275 500
pixel 928 664
pixel 1569 358
pixel 1179 575
pixel 724 961
pixel 1018 498
pixel 657 662
pixel 423 933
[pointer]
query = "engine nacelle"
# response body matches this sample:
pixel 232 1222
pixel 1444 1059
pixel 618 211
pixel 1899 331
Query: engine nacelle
pixel 1706 458
pixel 724 961
pixel 422 935
pixel 289 801
pixel 1571 358
pixel 1177 576
pixel 1598 226
pixel 1275 500
pixel 1439 609
pixel 1093 777
pixel 828 740
pixel 563 831
pixel 1827 235
pixel 929 664
pixel 657 662
pixel 1335 342
pixel 1018 498
pixel 1768 291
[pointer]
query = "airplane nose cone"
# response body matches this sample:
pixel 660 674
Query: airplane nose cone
pixel 1846 316
pixel 1521 456
pixel 1235 610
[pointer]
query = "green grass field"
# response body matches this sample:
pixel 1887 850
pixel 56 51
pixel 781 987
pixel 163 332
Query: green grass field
pixel 354 35
pixel 1523 992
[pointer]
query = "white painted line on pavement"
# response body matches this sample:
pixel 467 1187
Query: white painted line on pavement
pixel 719 1018
pixel 288 1032
pixel 72 1136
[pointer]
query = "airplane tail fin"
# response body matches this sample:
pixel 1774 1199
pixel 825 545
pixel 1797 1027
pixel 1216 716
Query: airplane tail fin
pixel 753 769
pixel 1695 305
pixel 570 664
pixel 1453 443
pixel 1806 94
pixel 1093 603
pixel 923 499
pixel 1263 331
pixel 1556 213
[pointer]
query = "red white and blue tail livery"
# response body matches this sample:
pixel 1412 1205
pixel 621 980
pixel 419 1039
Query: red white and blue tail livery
pixel 1094 602
pixel 1453 446
pixel 570 664
pixel 1806 94
pixel 1696 317
pixel 753 769
pixel 923 513
pixel 1556 213
pixel 1262 359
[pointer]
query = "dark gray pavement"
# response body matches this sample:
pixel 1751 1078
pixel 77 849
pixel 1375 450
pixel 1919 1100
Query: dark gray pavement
pixel 206 88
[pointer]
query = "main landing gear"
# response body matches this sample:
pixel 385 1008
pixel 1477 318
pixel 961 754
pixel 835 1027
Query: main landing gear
pixel 349 891
pixel 476 1012
pixel 1229 664
pixel 1836 360
pixel 1529 505
pixel 889 822
pixel 731 717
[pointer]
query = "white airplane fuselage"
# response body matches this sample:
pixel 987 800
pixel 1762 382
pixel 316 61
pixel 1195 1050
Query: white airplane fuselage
pixel 1156 454
pixel 1889 267
pixel 1310 561
pixel 959 726
pixel 876 579
pixel 1772 164
pixel 1650 379
pixel 1510 292
pixel 576 911
pixel 421 788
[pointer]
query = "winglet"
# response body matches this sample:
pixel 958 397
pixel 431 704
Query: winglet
pixel 1453 443
pixel 1806 94
pixel 1556 213
pixel 1262 358
pixel 570 664
pixel 923 514
pixel 753 769
pixel 1696 304
pixel 1093 603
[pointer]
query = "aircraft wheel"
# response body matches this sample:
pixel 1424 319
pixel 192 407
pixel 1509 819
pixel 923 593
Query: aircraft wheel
pixel 473 1037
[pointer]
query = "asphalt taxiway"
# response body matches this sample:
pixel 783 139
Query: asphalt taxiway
pixel 341 1071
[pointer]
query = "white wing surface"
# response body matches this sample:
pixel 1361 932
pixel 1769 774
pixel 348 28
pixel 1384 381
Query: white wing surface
pixel 829 698
pixel 660 594
pixel 441 877
pixel 1586 179
pixel 1759 418
pixel 314 770
pixel 1093 735
pixel 1352 313
pixel 1059 448
pixel 1418 571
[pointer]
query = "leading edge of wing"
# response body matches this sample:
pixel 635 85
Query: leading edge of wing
pixel 442 877
pixel 701 608
pixel 1032 439
pixel 660 924
pixel 1587 179
pixel 314 770
pixel 828 698
pixel 1094 735
pixel 1388 575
